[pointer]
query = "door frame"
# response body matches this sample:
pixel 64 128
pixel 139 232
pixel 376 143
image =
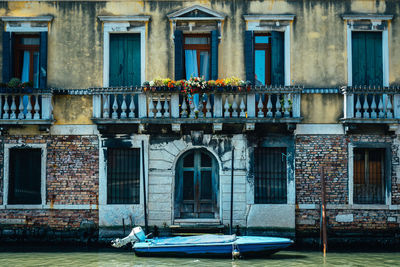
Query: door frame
pixel 176 172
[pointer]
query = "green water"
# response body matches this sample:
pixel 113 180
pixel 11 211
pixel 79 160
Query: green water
pixel 124 258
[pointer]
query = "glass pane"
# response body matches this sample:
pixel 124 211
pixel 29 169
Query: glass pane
pixel 36 69
pixel 30 41
pixel 188 161
pixel 205 160
pixel 261 39
pixel 188 184
pixel 197 40
pixel 206 186
pixel 259 62
pixel 191 64
pixel 25 66
pixel 205 65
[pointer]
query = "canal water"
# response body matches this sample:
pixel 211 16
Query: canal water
pixel 125 258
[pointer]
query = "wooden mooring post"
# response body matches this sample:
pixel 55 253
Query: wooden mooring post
pixel 323 233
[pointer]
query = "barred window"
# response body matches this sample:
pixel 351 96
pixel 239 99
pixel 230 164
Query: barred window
pixel 270 175
pixel 25 176
pixel 123 175
pixel 369 176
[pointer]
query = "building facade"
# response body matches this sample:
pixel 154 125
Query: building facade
pixel 92 131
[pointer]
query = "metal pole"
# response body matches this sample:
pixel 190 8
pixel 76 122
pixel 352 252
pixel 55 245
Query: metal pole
pixel 146 226
pixel 323 213
pixel 233 165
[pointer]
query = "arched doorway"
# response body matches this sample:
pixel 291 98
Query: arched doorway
pixel 196 185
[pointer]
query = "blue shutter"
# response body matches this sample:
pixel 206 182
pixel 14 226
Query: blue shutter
pixel 249 56
pixel 43 60
pixel 7 57
pixel 358 58
pixel 179 73
pixel 277 58
pixel 214 54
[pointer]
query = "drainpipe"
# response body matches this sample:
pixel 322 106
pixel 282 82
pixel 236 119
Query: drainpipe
pixel 146 226
pixel 233 165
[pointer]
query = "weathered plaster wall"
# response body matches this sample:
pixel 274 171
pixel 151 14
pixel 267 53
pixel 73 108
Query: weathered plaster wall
pixel 321 108
pixel 69 109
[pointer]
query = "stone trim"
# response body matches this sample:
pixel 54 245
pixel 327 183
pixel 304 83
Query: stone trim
pixel 348 207
pixel 55 207
pixel 124 18
pixel 319 129
pixel 74 130
pixel 214 15
pixel 27 24
pixel 6 165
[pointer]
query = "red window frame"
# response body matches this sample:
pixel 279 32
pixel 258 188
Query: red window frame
pixel 19 48
pixel 198 47
pixel 267 49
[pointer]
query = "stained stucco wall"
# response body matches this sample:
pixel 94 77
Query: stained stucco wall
pixel 318 40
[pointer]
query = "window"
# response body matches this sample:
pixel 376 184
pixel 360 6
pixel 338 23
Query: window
pixel 270 175
pixel 123 175
pixel 264 58
pixel 197 56
pixel 25 49
pixel 369 176
pixel 26 58
pixel 367 64
pixel 24 184
pixel 125 59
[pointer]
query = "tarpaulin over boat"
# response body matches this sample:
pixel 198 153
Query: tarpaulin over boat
pixel 201 239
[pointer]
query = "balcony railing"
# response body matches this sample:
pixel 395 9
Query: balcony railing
pixel 25 106
pixel 371 104
pixel 124 105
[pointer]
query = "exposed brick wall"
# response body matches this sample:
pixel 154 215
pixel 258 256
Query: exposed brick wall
pixel 362 220
pixel 72 170
pixel 332 151
pixel 53 218
pixel 71 178
pixel 311 153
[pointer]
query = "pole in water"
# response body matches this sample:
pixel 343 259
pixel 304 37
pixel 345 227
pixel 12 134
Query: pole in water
pixel 233 165
pixel 323 213
pixel 146 226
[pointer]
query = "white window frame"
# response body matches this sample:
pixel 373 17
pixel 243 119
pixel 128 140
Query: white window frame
pixel 7 148
pixel 122 24
pixel 281 23
pixel 388 197
pixel 123 209
pixel 376 21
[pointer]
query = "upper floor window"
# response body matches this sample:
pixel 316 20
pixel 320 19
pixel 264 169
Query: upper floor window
pixel 196 37
pixel 25 49
pixel 367 49
pixel 26 58
pixel 267 49
pixel 197 56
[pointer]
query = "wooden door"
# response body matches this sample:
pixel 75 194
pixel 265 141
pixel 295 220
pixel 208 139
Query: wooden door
pixel 196 188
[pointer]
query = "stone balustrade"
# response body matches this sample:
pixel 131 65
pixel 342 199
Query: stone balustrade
pixel 371 104
pixel 161 105
pixel 25 106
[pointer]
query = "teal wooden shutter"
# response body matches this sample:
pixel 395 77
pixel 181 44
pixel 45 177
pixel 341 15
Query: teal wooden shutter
pixel 125 60
pixel 179 71
pixel 7 56
pixel 249 56
pixel 214 54
pixel 374 58
pixel 277 58
pixel 43 60
pixel 367 66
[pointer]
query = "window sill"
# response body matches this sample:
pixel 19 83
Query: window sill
pixel 350 207
pixel 41 207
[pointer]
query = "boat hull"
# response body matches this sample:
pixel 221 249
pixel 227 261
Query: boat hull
pixel 247 247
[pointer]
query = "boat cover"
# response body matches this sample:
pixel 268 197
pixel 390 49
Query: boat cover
pixel 200 239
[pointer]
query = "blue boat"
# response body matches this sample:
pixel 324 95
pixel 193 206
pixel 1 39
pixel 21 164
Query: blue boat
pixel 226 246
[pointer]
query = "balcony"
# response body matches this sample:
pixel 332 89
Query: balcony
pixel 25 106
pixel 171 106
pixel 372 105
